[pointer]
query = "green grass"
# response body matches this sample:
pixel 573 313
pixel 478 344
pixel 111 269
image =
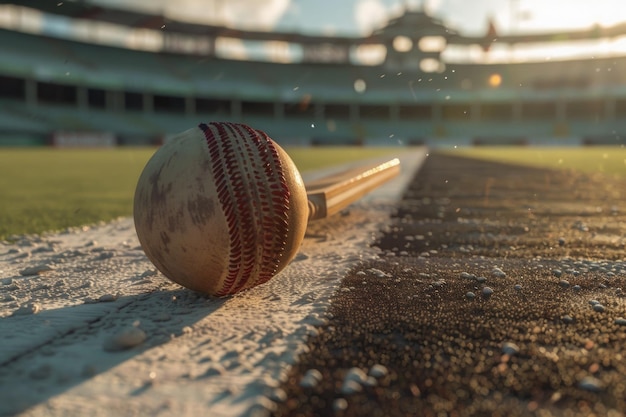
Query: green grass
pixel 44 189
pixel 605 160
pixel 51 189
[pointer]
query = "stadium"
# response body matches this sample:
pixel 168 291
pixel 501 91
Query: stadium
pixel 100 75
pixel 455 246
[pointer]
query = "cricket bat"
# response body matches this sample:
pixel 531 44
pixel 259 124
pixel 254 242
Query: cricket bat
pixel 329 195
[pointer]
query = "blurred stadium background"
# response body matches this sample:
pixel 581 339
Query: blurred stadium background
pixel 76 73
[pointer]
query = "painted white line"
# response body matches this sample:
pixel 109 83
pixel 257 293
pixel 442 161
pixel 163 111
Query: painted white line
pixel 219 357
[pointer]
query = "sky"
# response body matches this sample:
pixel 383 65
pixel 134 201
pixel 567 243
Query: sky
pixel 358 17
pixel 354 18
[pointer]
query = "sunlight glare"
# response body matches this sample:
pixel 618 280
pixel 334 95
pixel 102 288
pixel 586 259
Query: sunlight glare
pixel 360 86
pixel 402 43
pixel 432 44
pixel 495 80
pixel 572 14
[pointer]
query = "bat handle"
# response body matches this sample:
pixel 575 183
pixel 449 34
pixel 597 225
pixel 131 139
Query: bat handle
pixel 317 209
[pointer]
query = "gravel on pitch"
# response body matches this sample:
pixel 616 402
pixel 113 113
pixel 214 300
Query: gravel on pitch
pixel 499 291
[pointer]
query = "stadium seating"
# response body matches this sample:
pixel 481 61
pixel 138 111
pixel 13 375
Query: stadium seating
pixel 319 102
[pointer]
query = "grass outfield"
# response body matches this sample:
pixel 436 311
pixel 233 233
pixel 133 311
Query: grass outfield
pixel 605 160
pixel 44 189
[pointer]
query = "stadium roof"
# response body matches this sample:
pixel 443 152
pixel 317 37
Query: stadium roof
pixel 416 22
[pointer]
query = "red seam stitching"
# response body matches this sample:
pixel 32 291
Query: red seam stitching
pixel 270 206
pixel 277 224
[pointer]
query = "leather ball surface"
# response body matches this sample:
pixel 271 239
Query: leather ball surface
pixel 220 208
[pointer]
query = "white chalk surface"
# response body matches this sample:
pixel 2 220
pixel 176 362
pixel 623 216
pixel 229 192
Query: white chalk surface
pixel 89 327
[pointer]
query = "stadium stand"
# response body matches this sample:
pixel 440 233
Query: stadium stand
pixel 49 83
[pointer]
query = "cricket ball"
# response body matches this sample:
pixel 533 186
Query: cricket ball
pixel 220 208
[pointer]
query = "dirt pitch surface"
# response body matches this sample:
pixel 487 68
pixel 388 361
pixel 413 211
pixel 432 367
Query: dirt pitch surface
pixel 498 293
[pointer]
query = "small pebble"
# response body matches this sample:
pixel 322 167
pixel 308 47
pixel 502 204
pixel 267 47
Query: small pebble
pixel 567 319
pixel 510 348
pixel 370 382
pixel 498 273
pixel 487 292
pixel 340 404
pixel 599 308
pixel 517 287
pixel 104 255
pixel 43 249
pixel 36 270
pixel 590 383
pixel 278 395
pixel 126 339
pixel 378 371
pixel 311 378
pixel 557 273
pixel 470 295
pixel 438 283
pixel 576 288
pixel 377 272
pixel 350 387
pixel 356 374
pixel 353 381
pixel 620 321
pixel 107 298
pixel 564 283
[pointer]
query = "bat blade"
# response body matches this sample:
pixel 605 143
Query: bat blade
pixel 329 195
